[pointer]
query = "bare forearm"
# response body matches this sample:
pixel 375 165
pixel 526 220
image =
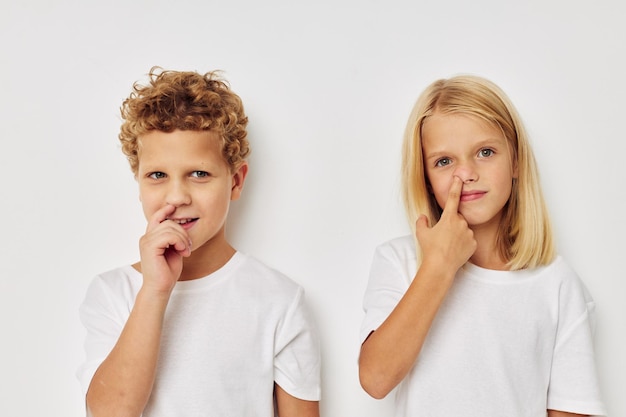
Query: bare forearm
pixel 122 384
pixel 390 352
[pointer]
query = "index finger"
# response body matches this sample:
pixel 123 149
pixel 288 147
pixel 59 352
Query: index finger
pixel 160 215
pixel 454 195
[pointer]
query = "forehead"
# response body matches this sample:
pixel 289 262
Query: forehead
pixel 179 147
pixel 458 128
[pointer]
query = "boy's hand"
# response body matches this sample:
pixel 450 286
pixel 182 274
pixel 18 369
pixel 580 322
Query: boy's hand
pixel 450 242
pixel 162 249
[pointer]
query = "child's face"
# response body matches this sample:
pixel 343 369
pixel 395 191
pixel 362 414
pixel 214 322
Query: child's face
pixel 477 153
pixel 186 169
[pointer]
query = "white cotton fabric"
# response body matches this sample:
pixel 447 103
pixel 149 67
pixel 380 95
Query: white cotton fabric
pixel 504 343
pixel 226 339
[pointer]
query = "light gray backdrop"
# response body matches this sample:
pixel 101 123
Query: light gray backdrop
pixel 328 86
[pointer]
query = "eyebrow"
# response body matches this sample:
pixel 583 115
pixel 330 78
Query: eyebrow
pixel 494 142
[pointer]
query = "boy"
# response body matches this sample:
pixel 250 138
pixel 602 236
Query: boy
pixel 195 327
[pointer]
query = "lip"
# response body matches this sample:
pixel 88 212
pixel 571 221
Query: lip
pixel 185 222
pixel 472 195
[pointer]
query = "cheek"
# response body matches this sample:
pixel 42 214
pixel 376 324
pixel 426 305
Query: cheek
pixel 218 201
pixel 149 203
pixel 439 188
pixel 507 187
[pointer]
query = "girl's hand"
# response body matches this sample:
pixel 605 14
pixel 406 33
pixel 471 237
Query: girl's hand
pixel 162 249
pixel 450 243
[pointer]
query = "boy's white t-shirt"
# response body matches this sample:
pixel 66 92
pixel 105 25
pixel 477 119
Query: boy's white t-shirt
pixel 504 343
pixel 226 339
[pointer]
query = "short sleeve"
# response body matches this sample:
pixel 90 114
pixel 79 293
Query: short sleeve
pixel 103 320
pixel 574 384
pixel 393 267
pixel 297 362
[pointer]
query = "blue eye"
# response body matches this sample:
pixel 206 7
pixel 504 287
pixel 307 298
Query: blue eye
pixel 200 174
pixel 443 162
pixel 157 175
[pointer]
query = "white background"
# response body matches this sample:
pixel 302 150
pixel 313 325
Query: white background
pixel 328 86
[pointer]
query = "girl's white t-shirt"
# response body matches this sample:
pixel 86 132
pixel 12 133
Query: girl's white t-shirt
pixel 504 343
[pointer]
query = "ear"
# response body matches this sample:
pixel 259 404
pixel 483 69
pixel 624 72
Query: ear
pixel 239 177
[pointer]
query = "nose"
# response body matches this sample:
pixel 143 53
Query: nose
pixel 178 194
pixel 467 172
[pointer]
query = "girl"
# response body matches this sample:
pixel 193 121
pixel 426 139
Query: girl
pixel 476 316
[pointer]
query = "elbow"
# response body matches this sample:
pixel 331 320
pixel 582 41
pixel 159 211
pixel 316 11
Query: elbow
pixel 98 407
pixel 376 394
pixel 374 383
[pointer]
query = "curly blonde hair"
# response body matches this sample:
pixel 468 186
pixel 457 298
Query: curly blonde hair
pixel 185 100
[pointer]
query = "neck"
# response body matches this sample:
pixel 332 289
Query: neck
pixel 206 259
pixel 489 259
pixel 487 254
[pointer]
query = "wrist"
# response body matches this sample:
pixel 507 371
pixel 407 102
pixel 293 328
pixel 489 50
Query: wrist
pixel 441 270
pixel 151 295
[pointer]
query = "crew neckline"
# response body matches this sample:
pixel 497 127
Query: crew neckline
pixel 208 280
pixel 501 277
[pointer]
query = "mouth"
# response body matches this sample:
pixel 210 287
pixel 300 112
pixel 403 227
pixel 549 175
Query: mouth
pixel 185 222
pixel 472 195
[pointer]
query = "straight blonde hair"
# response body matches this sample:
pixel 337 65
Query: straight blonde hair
pixel 525 238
